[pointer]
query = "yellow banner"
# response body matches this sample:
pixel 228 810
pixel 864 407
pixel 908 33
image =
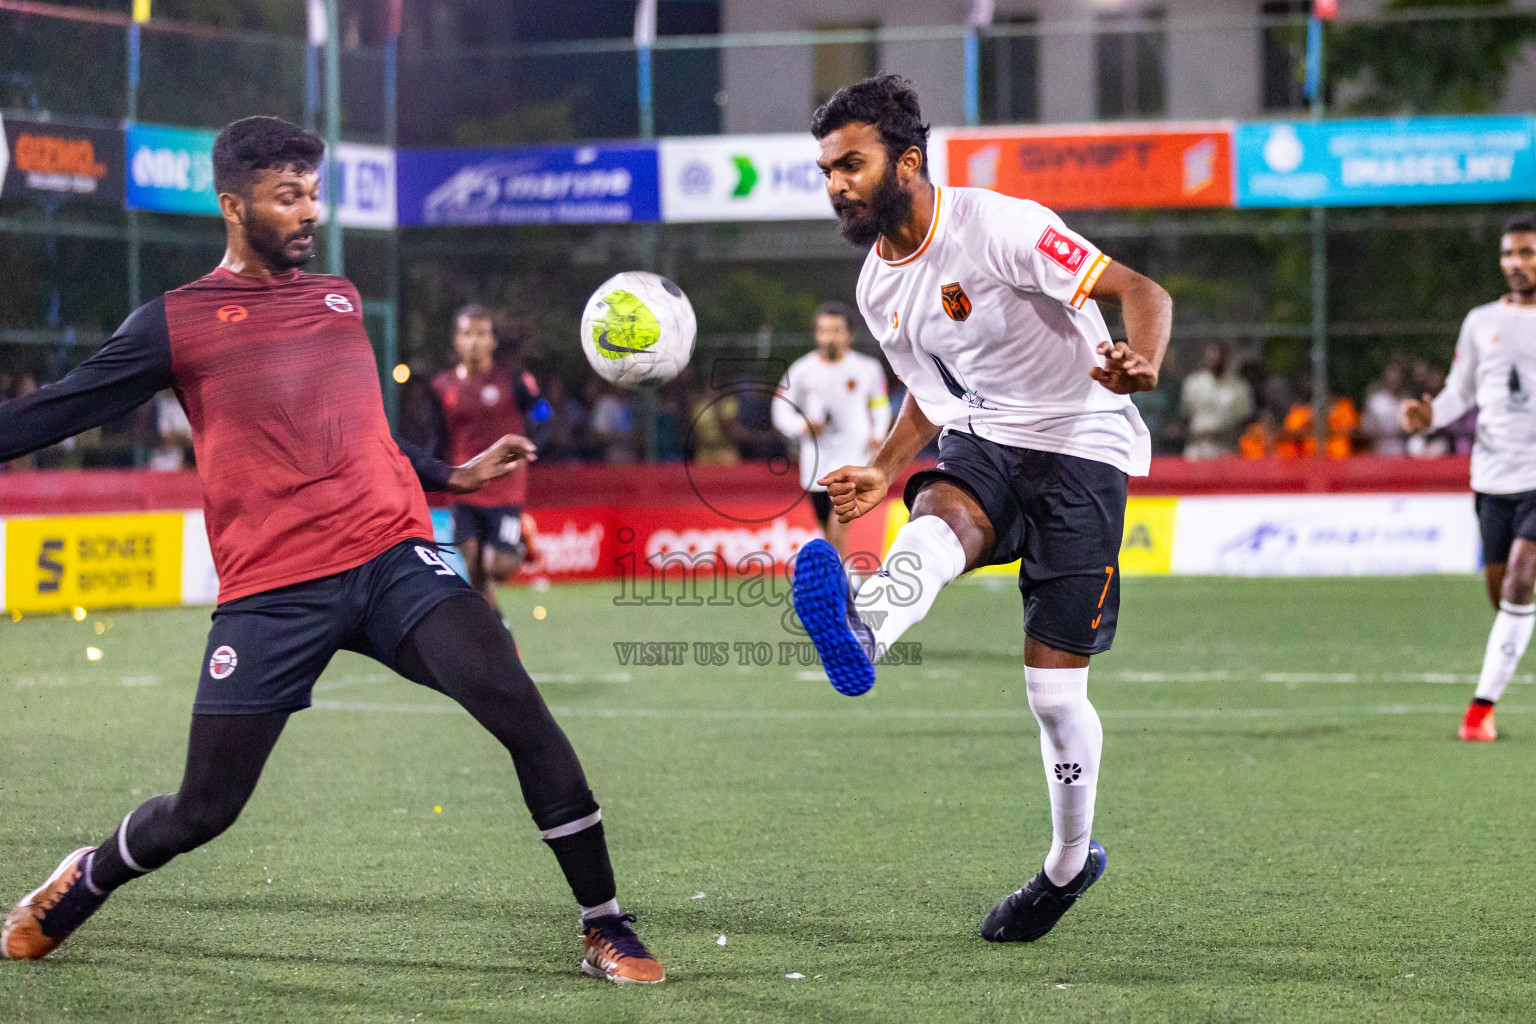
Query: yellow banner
pixel 93 561
pixel 1146 549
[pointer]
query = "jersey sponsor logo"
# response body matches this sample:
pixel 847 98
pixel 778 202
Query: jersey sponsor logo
pixel 222 664
pixel 953 386
pixel 1061 250
pixel 232 314
pixel 338 303
pixel 853 385
pixel 490 394
pixel 956 303
pixel 895 320
pixel 1519 398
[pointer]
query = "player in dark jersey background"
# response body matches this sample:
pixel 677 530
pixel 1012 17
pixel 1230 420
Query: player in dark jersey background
pixel 321 537
pixel 482 400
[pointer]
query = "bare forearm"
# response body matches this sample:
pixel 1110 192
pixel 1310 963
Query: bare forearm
pixel 1148 313
pixel 909 436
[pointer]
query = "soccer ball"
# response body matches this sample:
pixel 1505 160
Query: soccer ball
pixel 638 329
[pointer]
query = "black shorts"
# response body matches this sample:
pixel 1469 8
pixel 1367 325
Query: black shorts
pixel 500 526
pixel 821 504
pixel 265 651
pixel 1063 516
pixel 1503 517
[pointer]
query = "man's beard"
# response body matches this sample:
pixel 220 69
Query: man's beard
pixel 272 245
pixel 1521 284
pixel 887 210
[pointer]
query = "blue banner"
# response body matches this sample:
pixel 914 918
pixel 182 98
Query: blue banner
pixel 536 185
pixel 170 170
pixel 1386 162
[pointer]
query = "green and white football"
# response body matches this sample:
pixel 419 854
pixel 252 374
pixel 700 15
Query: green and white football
pixel 638 329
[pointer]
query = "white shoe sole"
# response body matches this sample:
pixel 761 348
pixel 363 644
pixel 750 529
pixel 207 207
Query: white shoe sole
pixel 591 970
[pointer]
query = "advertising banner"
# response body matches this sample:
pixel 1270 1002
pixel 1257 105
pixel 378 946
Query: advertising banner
pixel 57 161
pixel 1098 167
pixel 1387 162
pixel 170 170
pixel 93 561
pixel 1146 547
pixel 1326 535
pixel 742 177
pixel 533 185
pixel 367 175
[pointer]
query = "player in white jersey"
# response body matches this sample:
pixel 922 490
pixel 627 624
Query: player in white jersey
pixel 985 307
pixel 834 400
pixel 1495 371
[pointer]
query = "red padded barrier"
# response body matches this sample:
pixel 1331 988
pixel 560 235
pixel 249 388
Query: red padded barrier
pixel 752 484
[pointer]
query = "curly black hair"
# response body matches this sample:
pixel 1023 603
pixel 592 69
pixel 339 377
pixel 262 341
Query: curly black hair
pixel 889 102
pixel 1520 222
pixel 260 143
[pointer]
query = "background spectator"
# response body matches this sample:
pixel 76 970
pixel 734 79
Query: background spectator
pixel 172 450
pixel 613 423
pixel 1379 422
pixel 1215 402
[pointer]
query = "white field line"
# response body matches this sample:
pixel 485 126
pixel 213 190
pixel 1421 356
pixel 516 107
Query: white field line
pixel 1345 678
pixel 927 714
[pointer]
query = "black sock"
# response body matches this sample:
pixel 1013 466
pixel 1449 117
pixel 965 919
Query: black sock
pixel 1482 702
pixel 583 856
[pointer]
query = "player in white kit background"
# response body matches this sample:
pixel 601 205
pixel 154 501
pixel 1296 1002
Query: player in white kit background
pixel 985 307
pixel 834 401
pixel 1495 370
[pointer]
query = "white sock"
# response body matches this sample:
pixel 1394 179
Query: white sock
pixel 1507 641
pixel 924 557
pixel 609 909
pixel 1071 740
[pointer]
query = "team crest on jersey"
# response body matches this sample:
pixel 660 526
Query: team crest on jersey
pixel 1061 250
pixel 853 385
pixel 223 662
pixel 338 303
pixel 956 303
pixel 490 394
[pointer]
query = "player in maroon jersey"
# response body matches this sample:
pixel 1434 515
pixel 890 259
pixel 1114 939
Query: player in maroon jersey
pixel 319 531
pixel 481 401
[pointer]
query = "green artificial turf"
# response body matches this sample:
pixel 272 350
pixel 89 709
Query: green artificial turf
pixel 1294 832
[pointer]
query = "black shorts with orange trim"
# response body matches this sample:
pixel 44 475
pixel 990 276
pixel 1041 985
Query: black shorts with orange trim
pixel 1061 517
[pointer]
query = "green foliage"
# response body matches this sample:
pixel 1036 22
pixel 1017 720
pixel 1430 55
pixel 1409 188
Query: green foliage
pixel 746 299
pixel 1428 67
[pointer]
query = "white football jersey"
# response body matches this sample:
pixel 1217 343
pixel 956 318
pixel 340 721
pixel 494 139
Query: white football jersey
pixel 1495 370
pixel 849 396
pixel 990 326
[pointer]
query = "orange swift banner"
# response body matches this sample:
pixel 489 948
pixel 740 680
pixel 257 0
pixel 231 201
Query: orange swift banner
pixel 1098 167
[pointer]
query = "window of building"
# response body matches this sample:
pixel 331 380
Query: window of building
pixel 1284 50
pixel 1010 73
pixel 834 65
pixel 1132 52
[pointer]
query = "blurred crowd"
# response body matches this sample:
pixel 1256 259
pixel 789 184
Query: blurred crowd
pixel 1224 409
pixel 1221 409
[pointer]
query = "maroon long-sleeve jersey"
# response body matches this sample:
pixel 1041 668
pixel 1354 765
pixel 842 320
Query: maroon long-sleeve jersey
pixel 478 411
pixel 301 476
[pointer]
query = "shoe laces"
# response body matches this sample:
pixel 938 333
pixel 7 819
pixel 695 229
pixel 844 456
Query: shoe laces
pixel 619 936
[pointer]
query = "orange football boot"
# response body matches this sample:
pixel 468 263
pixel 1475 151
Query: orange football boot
pixel 615 953
pixel 49 914
pixel 1477 726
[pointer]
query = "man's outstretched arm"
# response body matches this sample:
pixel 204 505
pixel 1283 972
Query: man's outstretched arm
pixel 496 461
pixel 133 365
pixel 855 490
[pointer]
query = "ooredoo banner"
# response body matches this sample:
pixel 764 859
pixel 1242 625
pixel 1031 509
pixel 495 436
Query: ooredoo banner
pixel 742 177
pixel 1098 166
